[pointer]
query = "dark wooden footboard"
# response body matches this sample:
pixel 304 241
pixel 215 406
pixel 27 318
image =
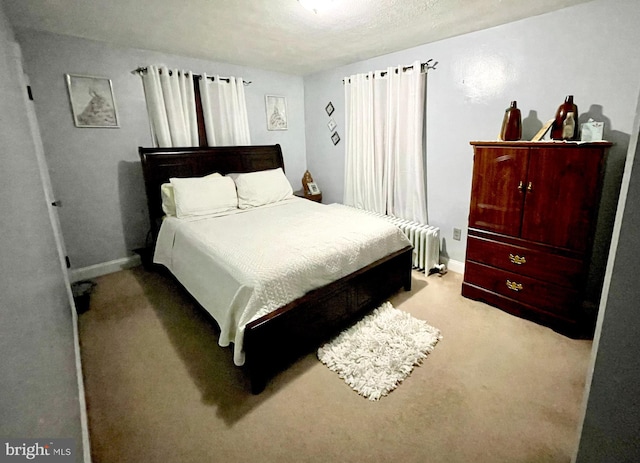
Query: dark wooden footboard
pixel 275 340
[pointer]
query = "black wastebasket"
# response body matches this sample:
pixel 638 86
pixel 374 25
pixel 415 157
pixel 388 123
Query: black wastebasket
pixel 82 294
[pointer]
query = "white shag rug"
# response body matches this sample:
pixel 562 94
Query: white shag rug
pixel 377 353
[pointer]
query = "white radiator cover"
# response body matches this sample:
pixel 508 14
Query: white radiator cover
pixel 424 238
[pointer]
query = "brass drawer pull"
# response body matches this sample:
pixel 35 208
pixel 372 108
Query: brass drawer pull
pixel 513 286
pixel 518 260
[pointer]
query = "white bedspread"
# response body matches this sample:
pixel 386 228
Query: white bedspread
pixel 243 265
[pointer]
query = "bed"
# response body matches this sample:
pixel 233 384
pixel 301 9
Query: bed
pixel 280 316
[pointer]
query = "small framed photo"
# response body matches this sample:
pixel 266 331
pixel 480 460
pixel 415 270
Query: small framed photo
pixel 335 138
pixel 276 112
pixel 331 125
pixel 92 101
pixel 313 188
pixel 329 109
pixel 591 131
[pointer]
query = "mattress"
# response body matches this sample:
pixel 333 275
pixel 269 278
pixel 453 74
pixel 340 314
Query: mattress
pixel 244 264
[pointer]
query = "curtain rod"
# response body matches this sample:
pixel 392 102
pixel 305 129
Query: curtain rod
pixel 424 67
pixel 141 70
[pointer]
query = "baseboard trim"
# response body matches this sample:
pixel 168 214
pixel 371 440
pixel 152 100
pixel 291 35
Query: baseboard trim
pixel 104 268
pixel 455 266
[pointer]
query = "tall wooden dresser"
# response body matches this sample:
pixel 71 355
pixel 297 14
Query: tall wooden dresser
pixel 531 227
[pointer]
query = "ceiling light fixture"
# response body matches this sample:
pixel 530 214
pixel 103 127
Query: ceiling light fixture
pixel 316 5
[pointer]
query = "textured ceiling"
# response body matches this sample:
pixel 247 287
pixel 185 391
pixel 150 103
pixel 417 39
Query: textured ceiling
pixel 277 35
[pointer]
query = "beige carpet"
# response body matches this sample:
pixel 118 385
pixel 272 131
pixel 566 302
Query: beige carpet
pixel 160 389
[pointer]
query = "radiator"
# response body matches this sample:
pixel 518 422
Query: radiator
pixel 424 238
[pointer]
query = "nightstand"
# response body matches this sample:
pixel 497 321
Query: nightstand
pixel 301 194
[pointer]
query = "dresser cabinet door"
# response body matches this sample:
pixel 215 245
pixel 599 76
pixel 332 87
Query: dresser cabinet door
pixel 497 193
pixel 561 197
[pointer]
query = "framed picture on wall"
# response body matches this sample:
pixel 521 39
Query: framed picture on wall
pixel 329 109
pixel 335 138
pixel 92 101
pixel 276 112
pixel 331 124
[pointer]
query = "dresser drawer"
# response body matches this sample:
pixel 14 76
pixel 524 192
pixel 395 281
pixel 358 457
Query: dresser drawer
pixel 548 297
pixel 559 270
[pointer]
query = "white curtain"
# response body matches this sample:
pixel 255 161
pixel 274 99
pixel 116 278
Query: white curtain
pixel 225 111
pixel 384 165
pixel 171 106
pixel 365 121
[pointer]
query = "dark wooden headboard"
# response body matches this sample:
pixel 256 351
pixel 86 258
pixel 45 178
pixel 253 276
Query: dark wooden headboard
pixel 161 164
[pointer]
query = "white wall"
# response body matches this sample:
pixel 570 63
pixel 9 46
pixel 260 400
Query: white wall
pixel 39 395
pixel 612 416
pixel 96 172
pixel 584 50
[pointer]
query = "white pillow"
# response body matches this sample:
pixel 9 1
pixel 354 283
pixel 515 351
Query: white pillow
pixel 201 196
pixel 262 187
pixel 168 200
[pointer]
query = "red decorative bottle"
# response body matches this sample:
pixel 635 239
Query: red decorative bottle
pixel 511 124
pixel 559 130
